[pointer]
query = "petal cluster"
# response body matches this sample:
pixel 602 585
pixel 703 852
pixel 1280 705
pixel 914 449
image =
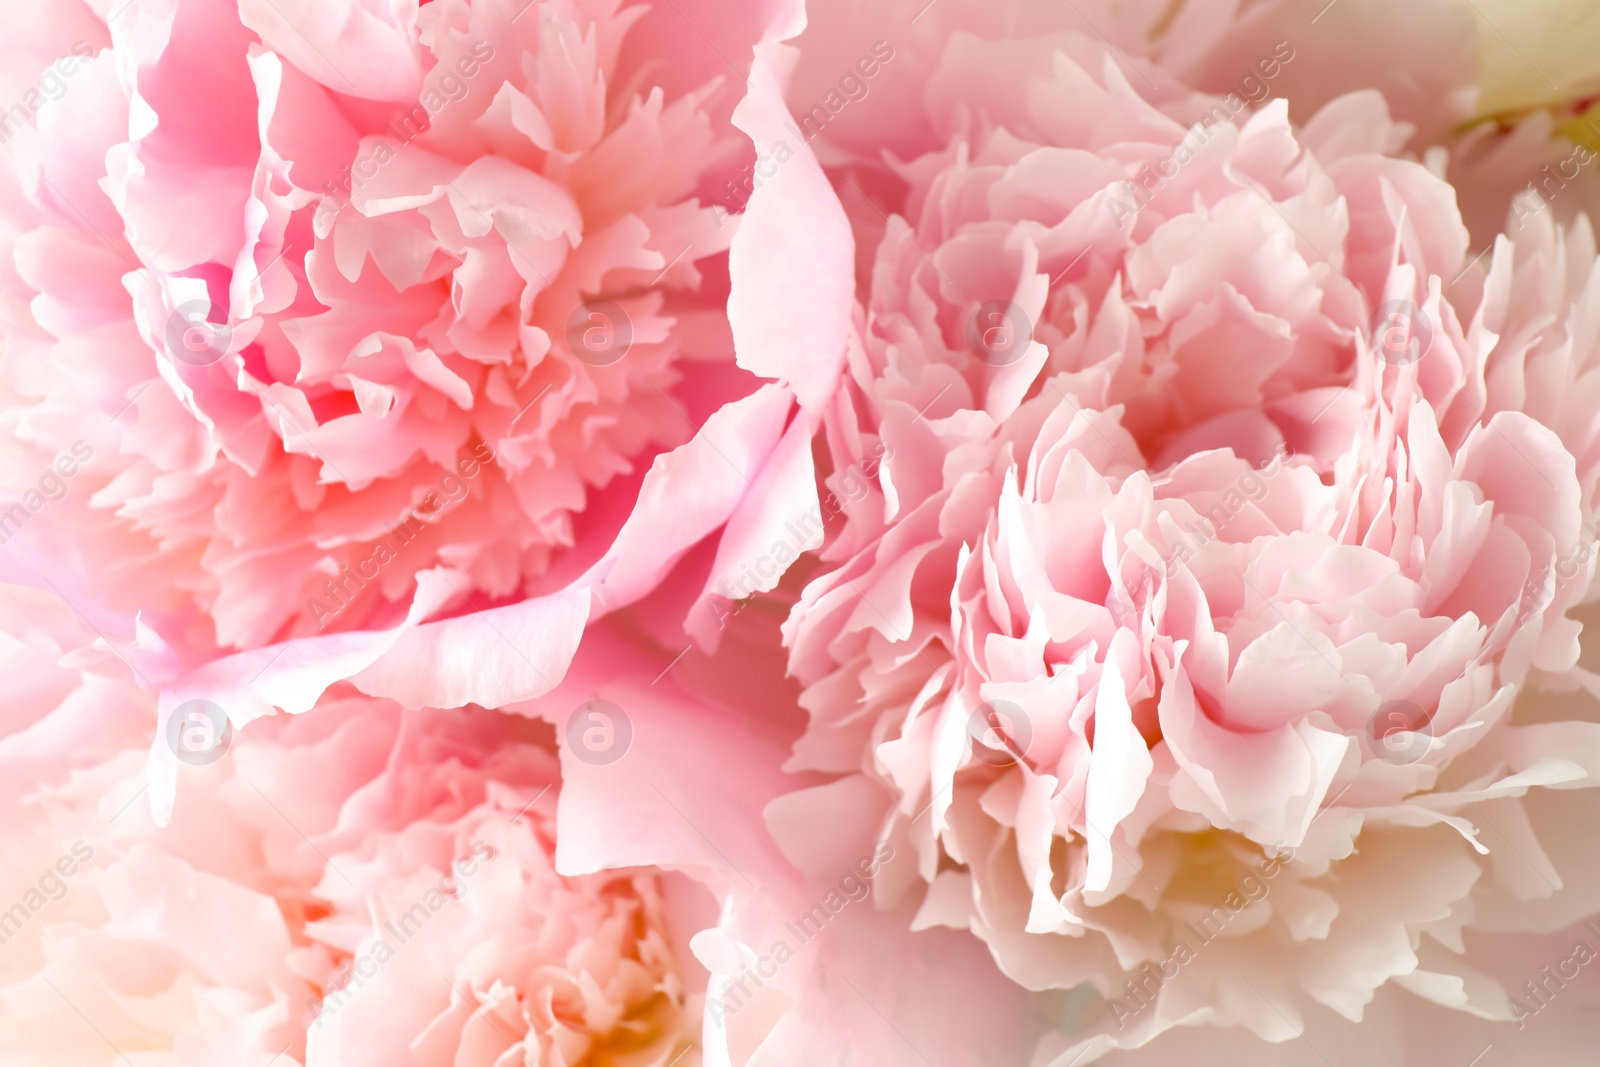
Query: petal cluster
pixel 1226 507
pixel 359 885
pixel 391 294
pixel 601 533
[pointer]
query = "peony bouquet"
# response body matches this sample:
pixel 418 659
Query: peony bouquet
pixel 678 533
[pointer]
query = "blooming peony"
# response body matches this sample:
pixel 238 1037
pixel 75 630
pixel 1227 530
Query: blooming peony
pixel 455 938
pixel 1225 506
pixel 397 291
pixel 359 885
pixel 417 366
pixel 1190 658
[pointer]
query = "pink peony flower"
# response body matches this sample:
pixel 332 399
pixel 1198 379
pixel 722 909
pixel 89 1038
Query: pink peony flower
pixel 454 937
pixel 806 967
pixel 398 291
pixel 460 378
pixel 362 884
pixel 1188 653
pixel 1222 505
